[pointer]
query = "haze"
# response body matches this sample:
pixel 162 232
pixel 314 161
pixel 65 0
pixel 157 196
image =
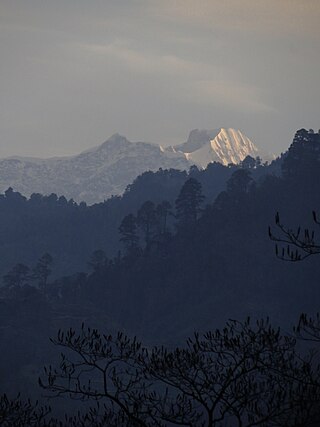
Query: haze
pixel 74 72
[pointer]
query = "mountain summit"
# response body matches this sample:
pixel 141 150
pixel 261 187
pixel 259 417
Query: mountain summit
pixel 96 174
pixel 91 176
pixel 219 145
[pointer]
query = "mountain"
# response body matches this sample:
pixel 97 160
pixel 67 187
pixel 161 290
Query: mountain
pixel 106 170
pixel 190 278
pixel 91 176
pixel 219 145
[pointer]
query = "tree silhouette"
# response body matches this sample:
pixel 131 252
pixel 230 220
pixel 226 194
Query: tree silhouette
pixel 105 368
pixel 163 211
pixel 18 413
pixel 188 204
pixel 147 220
pixel 24 413
pixel 242 375
pixel 299 244
pixel 128 233
pixel 303 157
pixel 239 182
pixel 250 162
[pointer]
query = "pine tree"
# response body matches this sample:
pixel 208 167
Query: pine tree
pixel 128 232
pixel 146 220
pixel 188 203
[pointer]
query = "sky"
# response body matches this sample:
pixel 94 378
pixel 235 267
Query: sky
pixel 74 72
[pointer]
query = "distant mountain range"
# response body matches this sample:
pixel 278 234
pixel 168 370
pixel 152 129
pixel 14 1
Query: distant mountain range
pixel 106 170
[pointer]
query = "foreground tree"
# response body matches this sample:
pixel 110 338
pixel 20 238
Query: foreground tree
pixel 24 413
pixel 18 413
pixel 308 328
pixel 295 245
pixel 100 367
pixel 242 375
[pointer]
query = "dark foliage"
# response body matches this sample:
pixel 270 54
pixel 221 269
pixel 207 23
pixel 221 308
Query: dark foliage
pixel 188 204
pixel 18 413
pixel 173 283
pixel 300 244
pixel 70 232
pixel 241 375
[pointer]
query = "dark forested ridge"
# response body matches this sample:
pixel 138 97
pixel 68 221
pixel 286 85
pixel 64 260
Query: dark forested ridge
pixel 194 252
pixel 70 232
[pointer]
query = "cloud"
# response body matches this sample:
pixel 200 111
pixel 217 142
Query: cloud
pixel 231 94
pixel 272 17
pixel 141 62
pixel 192 81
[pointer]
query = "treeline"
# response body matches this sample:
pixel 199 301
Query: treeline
pixel 183 263
pixel 193 261
pixel 70 232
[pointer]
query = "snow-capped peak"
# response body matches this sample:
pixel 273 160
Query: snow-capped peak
pixel 218 145
pixel 96 174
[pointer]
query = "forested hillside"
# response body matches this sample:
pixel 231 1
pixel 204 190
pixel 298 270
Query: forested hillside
pixel 70 232
pixel 192 256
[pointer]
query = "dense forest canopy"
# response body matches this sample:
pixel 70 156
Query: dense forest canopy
pixel 178 252
pixel 31 227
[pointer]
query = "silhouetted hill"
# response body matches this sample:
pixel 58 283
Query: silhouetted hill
pixel 185 267
pixel 224 264
pixel 70 232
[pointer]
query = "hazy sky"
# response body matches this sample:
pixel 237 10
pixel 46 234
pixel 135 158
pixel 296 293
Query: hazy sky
pixel 73 72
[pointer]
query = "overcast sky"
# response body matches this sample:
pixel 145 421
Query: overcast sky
pixel 73 72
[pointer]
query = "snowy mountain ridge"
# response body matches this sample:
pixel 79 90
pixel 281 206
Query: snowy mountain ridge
pixel 218 145
pixel 96 174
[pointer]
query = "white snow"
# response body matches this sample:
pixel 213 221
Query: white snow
pixel 228 146
pixel 96 174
